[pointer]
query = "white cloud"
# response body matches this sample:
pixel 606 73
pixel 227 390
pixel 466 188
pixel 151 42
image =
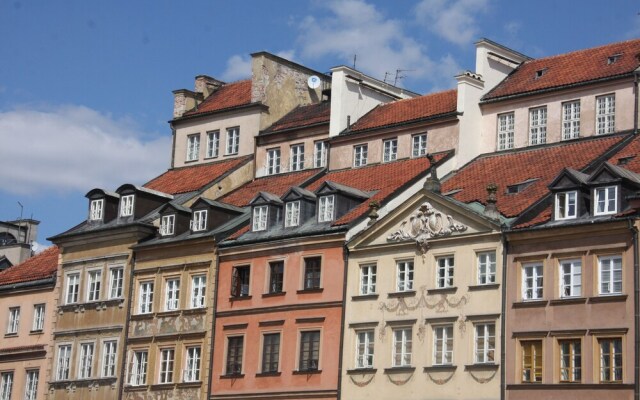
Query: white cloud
pixel 454 20
pixel 238 67
pixel 70 148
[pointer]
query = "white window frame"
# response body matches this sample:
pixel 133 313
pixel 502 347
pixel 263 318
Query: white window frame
pixel 402 346
pixel 605 114
pixel 96 208
pixel 126 205
pixel 506 129
pixel 6 385
pixel 273 161
pixel 419 145
pixel 72 288
pixel 404 275
pixel 610 279
pixel 390 150
pixel 538 125
pixel 31 384
pixel 533 282
pixel 571 120
pixel 167 365
pixel 138 368
pixel 172 294
pixel 296 157
pixel 486 267
pixel 233 140
pixel 360 153
pixel 145 297
pixel 326 208
pixel 116 282
pixel 109 358
pixel 292 214
pixel 63 362
pixel 213 144
pixel 564 202
pixel 192 364
pixel 443 345
pixel 321 150
pixel 607 201
pixel 85 360
pixel 365 348
pixel 368 279
pixel 193 147
pixel 198 291
pixel 485 343
pixel 13 323
pixel 94 285
pixel 260 218
pixel 38 317
pixel 444 271
pixel 199 221
pixel 570 278
pixel 167 225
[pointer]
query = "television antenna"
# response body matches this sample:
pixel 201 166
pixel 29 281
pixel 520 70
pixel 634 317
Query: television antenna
pixel 399 75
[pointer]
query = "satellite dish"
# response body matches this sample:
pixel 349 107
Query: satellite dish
pixel 313 82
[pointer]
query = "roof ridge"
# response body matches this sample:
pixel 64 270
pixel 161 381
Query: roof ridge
pixel 422 96
pixel 572 52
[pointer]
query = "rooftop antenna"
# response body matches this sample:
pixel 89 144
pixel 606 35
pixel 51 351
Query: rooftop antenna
pixel 355 56
pixel 385 76
pixel 400 76
pixel 20 220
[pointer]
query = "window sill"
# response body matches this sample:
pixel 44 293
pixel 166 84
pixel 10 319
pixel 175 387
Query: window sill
pixel 481 367
pixel 399 370
pixel 136 388
pixel 199 310
pixel 169 313
pixel 307 372
pixel 10 335
pixel 312 290
pixel 442 368
pixel 406 293
pixel 444 290
pixel 160 386
pixel 142 316
pixel 530 303
pixel 191 161
pixel 363 297
pixel 267 374
pixel 608 298
pixel 232 376
pixel 189 384
pixel 36 332
pixel 361 371
pixel 568 300
pixel 486 286
pixel 239 298
pixel 275 294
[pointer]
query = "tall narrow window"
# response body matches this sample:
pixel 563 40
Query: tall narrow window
pixel 404 277
pixel 233 140
pixel 570 278
pixel 193 147
pixel 192 368
pixel 240 281
pixel 390 150
pixel 505 131
pixel 309 350
pixel 14 321
pixel 276 276
pixel 566 204
pixel 199 221
pixel 73 288
pixel 368 279
pixel 38 317
pixel 260 214
pixel 167 225
pixel 126 205
pixel 532 282
pixel 570 360
pixel 109 354
pixel 292 214
pixel 116 280
pixel 325 208
pixel 273 161
pixel 6 385
pixel 172 294
pixel 402 344
pixel 198 290
pixel 538 125
pixel 571 120
pixel 312 273
pixel 610 275
pixel 445 272
pixel 95 209
pixel 360 155
pixel 94 285
pixel 138 368
pixel 419 145
pixel 486 267
pixel 85 364
pixel 31 384
pixel 610 359
pixel 235 346
pixel 167 359
pixel 606 200
pixel 62 362
pixel 605 114
pixel 364 349
pixel 270 352
pixel 485 343
pixel 213 144
pixel 531 361
pixel 297 157
pixel 443 345
pixel 320 154
pixel 145 299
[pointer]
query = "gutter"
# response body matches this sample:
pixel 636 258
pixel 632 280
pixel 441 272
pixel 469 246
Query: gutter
pixel 123 361
pixel 503 325
pixel 636 311
pixel 24 285
pixel 348 133
pixel 345 257
pixel 213 329
pixel 220 111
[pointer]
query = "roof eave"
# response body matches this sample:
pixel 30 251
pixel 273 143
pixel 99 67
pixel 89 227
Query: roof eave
pixel 220 111
pixel 348 133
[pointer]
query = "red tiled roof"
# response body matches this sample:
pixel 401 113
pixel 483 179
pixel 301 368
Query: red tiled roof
pixel 570 68
pixel 630 154
pixel 506 169
pixel 230 95
pixel 302 116
pixel 384 178
pixel 408 110
pixel 274 184
pixel 541 218
pixel 40 266
pixel 188 179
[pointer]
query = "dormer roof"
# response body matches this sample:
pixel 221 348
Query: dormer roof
pixel 266 197
pixel 296 192
pixel 615 172
pixel 330 186
pixel 101 193
pixel 176 207
pixel 218 204
pixel 129 186
pixel 576 178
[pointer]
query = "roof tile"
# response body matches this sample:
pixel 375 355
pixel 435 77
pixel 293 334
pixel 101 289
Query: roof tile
pixel 230 95
pixel 301 117
pixel 41 266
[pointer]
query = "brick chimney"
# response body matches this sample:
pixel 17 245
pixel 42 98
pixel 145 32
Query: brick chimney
pixel 207 85
pixel 490 210
pixel 184 100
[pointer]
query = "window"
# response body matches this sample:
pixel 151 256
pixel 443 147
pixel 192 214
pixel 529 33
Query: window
pixel 273 161
pixel 505 131
pixel 404 278
pixel 444 277
pixel 192 369
pixel 6 384
pixel 116 279
pixel 193 147
pixel 364 349
pixel 276 275
pixel 360 155
pixel 14 320
pixel 93 286
pixel 368 279
pixel 606 200
pixel 312 273
pixel 485 343
pixel 213 144
pixel 172 295
pixel 138 368
pixel 198 290
pixel 320 154
pixel 199 222
pixel 570 278
pixel 86 361
pixel 240 281
pixel 109 354
pixel 486 268
pixel 532 282
pixel 419 145
pixel 297 157
pixel 566 205
pixel 570 360
pixel 605 114
pixel 233 140
pixel 62 363
pixel 610 359
pixel 325 211
pixel 73 288
pixel 167 225
pixel 270 352
pixel 95 211
pixel 390 150
pixel 31 385
pixel 538 125
pixel 260 218
pixel 402 347
pixel 167 357
pixel 443 345
pixel 610 272
pixel 571 120
pixel 531 361
pixel 309 350
pixel 292 214
pixel 145 301
pixel 126 205
pixel 234 355
pixel 38 317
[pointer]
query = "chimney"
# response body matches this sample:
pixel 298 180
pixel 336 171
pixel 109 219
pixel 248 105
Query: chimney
pixel 207 85
pixel 185 100
pixel 432 183
pixel 490 210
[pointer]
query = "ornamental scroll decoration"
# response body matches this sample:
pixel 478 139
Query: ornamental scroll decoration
pixel 424 224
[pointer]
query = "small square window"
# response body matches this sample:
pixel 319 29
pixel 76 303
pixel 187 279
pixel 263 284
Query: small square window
pixel 566 205
pixel 606 200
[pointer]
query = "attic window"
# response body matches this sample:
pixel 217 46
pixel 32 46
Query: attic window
pixel 520 187
pixel 95 211
pixel 540 72
pixel 625 160
pixel 614 58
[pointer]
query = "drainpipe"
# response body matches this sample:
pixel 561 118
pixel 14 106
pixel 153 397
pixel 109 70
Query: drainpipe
pixel 636 311
pixel 213 316
pixel 173 144
pixel 123 361
pixel 345 257
pixel 635 104
pixel 503 327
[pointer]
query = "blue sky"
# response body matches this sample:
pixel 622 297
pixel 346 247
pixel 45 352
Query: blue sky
pixel 85 85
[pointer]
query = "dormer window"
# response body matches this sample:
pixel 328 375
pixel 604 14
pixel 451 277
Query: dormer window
pixel 566 205
pixel 96 208
pixel 326 208
pixel 292 217
pixel 167 225
pixel 199 222
pixel 606 200
pixel 613 58
pixel 260 218
pixel 126 205
pixel 540 73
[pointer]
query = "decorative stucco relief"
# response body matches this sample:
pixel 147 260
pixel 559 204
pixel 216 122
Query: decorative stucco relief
pixel 424 224
pixel 168 325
